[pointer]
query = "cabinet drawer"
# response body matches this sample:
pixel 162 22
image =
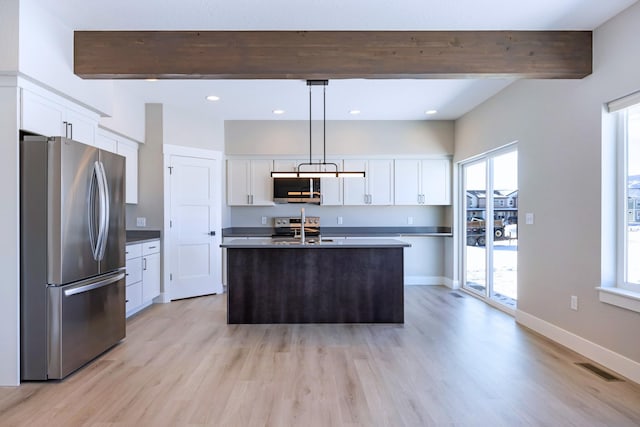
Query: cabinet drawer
pixel 151 247
pixel 133 251
pixel 134 270
pixel 134 296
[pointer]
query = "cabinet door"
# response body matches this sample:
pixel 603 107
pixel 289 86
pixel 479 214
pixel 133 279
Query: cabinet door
pixel 81 128
pixel 150 277
pixel 436 182
pixel 355 189
pixel 40 115
pixel 130 152
pixel 261 182
pixel 380 182
pixel 106 142
pixel 133 298
pixel 407 182
pixel 331 188
pixel 238 182
pixel 286 165
pixel 134 270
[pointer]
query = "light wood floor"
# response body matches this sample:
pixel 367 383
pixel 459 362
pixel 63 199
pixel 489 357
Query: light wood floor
pixel 455 362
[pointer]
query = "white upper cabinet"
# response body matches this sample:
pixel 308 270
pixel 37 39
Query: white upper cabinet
pixel 50 115
pixel 422 182
pixel 106 140
pixel 331 188
pixel 377 186
pixel 436 182
pixel 249 182
pixel 109 141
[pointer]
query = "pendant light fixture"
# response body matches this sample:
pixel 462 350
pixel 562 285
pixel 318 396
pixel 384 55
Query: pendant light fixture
pixel 300 172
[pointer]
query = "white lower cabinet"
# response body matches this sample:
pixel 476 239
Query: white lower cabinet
pixel 143 275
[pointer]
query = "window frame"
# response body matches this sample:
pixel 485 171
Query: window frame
pixel 621 292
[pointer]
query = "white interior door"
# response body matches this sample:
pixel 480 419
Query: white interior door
pixel 195 227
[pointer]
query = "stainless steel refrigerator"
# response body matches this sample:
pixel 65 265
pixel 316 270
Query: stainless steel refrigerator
pixel 72 255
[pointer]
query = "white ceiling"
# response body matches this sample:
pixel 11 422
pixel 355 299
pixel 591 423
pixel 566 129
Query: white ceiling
pixel 377 99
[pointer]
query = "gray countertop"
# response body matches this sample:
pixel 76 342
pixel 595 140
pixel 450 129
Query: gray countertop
pixel 346 231
pixel 323 243
pixel 141 236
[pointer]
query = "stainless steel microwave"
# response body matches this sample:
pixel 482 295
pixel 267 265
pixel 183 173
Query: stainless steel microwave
pixel 296 190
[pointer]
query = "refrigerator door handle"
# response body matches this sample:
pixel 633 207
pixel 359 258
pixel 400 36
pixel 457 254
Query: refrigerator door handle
pixel 80 288
pixel 94 184
pixel 104 212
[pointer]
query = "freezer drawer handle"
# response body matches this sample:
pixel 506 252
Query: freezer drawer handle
pixel 92 286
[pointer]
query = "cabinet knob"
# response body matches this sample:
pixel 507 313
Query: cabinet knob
pixel 212 233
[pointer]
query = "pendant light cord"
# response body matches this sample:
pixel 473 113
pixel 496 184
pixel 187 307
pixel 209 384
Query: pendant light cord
pixel 310 161
pixel 324 124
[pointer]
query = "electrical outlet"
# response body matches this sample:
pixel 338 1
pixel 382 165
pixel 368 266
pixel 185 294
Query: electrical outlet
pixel 339 220
pixel 263 220
pixel 574 302
pixel 528 218
pixel 410 220
pixel 141 221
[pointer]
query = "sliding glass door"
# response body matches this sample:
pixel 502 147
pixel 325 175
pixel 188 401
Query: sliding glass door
pixel 490 231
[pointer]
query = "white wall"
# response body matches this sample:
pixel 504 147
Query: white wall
pixel 150 174
pixel 559 128
pixel 352 216
pixel 9 36
pixel 128 114
pixel 9 230
pixel 349 137
pixel 182 127
pixel 46 55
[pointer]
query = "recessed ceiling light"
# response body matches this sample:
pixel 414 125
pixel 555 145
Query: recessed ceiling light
pixel 151 80
pixel 278 111
pixel 354 112
pixel 430 112
pixel 213 98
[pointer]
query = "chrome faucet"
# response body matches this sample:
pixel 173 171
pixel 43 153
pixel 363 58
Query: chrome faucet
pixel 303 219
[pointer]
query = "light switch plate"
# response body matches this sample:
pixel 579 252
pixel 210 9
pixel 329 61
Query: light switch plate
pixel 141 221
pixel 263 220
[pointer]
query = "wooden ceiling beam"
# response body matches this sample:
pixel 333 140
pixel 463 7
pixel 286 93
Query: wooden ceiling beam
pixel 332 54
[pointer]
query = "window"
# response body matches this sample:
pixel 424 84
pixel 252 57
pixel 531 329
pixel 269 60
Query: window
pixel 629 195
pixel 621 177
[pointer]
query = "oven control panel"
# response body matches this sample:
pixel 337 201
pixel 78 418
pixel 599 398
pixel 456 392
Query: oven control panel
pixel 310 221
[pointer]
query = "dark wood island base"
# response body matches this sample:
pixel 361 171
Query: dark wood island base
pixel 298 284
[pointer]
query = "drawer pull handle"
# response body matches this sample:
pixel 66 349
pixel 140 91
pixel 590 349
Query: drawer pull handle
pixel 152 247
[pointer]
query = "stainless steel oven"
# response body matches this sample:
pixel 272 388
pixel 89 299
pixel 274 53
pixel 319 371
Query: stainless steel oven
pixel 289 227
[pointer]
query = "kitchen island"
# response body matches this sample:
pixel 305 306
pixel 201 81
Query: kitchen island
pixel 323 281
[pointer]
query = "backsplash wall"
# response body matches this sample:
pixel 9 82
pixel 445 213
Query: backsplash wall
pixel 352 216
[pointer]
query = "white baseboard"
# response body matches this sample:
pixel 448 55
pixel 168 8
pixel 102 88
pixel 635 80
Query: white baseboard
pixel 450 283
pixel 423 280
pixel 163 298
pixel 605 357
